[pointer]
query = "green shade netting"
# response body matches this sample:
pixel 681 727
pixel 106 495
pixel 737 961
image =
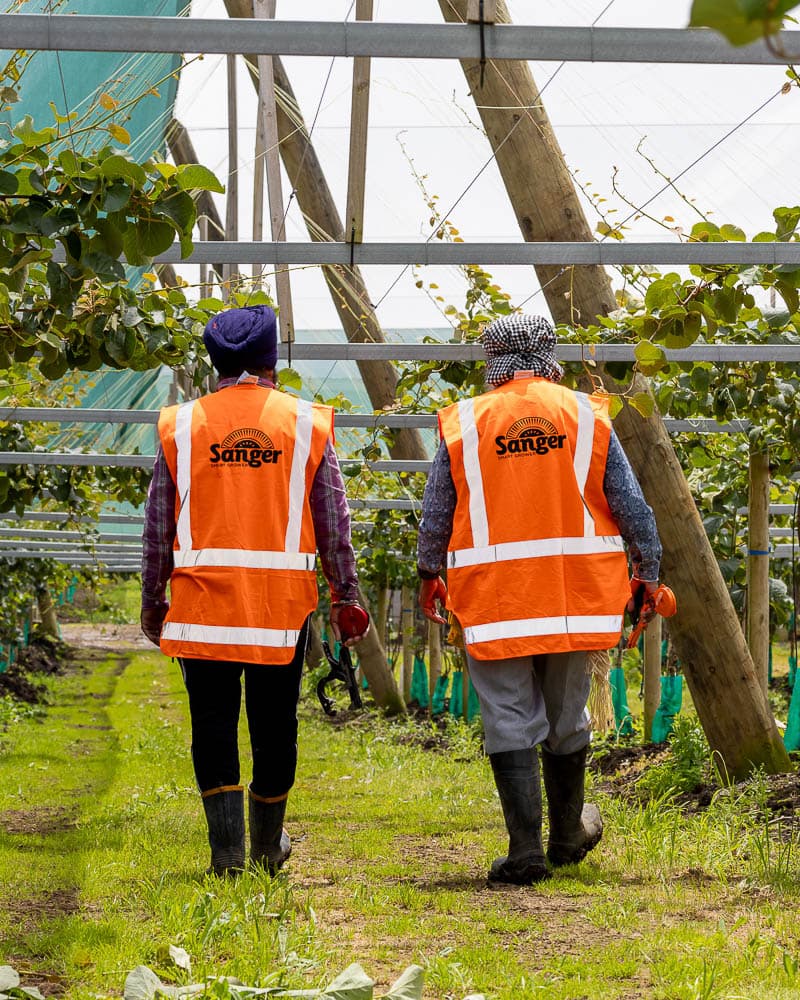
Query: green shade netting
pixel 457 698
pixel 440 694
pixel 668 708
pixel 623 720
pixel 791 737
pixel 74 81
pixel 792 670
pixel 419 683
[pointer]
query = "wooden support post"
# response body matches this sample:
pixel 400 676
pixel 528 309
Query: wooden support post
pixel 407 636
pixel 259 174
pixel 758 565
pixel 232 193
pixel 267 113
pixel 489 11
pixel 651 668
pixel 359 120
pixel 434 660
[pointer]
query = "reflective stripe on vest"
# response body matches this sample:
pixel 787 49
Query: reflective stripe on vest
pixel 223 636
pixel 525 627
pixel 482 551
pixel 535 549
pixel 292 558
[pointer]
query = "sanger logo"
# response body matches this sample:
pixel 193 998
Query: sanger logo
pixel 529 436
pixel 247 446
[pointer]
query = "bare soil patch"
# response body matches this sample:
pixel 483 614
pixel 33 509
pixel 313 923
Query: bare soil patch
pixel 110 637
pixel 40 820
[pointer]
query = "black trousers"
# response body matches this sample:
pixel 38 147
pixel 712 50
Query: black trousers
pixel 271 694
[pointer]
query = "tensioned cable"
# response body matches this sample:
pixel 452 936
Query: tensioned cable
pixel 670 183
pixel 524 108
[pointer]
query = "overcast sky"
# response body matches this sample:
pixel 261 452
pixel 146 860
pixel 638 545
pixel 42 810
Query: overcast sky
pixel 421 114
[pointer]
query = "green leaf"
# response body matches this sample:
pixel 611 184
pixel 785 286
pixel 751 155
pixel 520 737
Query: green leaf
pixel 134 254
pixel 9 183
pixel 55 367
pixel 288 378
pixel 352 984
pixel 108 239
pixel 649 354
pixel 408 986
pixel 660 293
pixel 726 17
pixel 9 978
pixel 193 176
pixel 643 403
pixel 732 233
pixel 615 404
pixel 178 206
pixel 706 232
pixel 116 197
pixel 28 136
pixel 143 984
pixel 118 167
pixel 786 219
pixel 155 237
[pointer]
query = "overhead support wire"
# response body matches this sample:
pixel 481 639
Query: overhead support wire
pixel 543 43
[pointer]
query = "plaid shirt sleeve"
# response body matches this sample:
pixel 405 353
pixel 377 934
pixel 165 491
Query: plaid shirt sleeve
pixel 331 516
pixel 438 508
pixel 158 535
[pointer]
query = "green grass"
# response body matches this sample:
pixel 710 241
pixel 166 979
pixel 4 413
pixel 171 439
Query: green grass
pixel 101 868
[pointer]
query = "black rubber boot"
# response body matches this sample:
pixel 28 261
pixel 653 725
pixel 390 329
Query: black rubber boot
pixel 516 774
pixel 270 845
pixel 575 828
pixel 225 818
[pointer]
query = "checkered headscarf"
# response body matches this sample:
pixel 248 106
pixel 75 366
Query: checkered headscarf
pixel 520 343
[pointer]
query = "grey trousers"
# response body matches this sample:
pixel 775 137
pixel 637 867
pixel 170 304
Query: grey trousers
pixel 530 700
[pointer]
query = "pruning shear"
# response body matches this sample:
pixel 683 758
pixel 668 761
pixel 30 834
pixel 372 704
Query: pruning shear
pixel 646 606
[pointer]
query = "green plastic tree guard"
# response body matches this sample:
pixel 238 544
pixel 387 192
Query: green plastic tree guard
pixel 623 720
pixel 668 707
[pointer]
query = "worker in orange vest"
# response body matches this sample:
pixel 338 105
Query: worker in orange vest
pixel 246 488
pixel 528 502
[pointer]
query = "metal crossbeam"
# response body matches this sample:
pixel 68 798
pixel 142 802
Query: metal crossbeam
pixel 26 534
pixel 60 517
pixel 98 33
pixel 438 253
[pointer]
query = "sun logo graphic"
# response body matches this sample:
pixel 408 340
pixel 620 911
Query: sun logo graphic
pixel 247 446
pixel 529 436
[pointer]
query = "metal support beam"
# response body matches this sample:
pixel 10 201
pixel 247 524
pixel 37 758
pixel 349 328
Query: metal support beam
pixel 100 33
pixel 437 253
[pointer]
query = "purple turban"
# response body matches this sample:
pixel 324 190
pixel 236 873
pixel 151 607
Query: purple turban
pixel 240 339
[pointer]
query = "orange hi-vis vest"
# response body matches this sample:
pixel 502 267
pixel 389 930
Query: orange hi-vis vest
pixel 244 580
pixel 535 562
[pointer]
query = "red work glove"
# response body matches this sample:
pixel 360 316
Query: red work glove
pixel 431 591
pixel 349 623
pixel 151 620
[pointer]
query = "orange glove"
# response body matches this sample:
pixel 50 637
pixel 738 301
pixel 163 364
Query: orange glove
pixel 431 591
pixel 648 599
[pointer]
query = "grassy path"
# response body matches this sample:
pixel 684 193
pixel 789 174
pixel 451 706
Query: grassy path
pixel 102 850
